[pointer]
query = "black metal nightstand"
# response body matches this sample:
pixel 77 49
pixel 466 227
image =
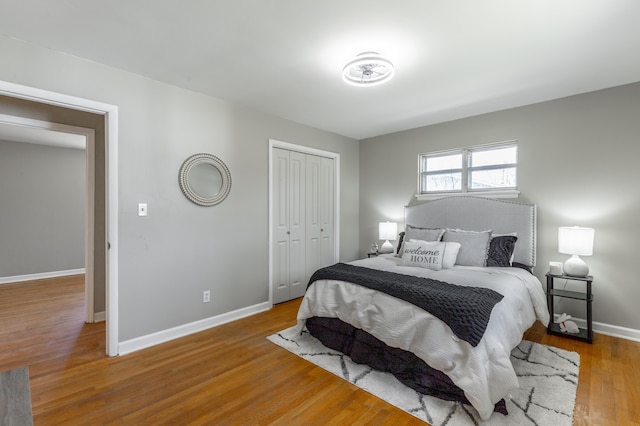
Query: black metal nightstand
pixel 585 335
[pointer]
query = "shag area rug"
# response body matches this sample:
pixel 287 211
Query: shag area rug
pixel 548 381
pixel 15 398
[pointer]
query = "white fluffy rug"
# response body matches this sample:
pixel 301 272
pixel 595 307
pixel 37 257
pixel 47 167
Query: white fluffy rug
pixel 548 381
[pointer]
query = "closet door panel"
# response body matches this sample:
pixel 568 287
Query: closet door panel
pixel 281 272
pixel 314 225
pixel 326 208
pixel 280 225
pixel 297 224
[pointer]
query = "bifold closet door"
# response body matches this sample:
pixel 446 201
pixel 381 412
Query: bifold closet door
pixel 320 207
pixel 289 222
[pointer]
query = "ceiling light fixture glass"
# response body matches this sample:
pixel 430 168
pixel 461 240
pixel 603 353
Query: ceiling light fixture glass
pixel 368 69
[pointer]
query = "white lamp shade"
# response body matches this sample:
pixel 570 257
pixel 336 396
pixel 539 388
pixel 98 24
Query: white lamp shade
pixel 388 231
pixel 575 240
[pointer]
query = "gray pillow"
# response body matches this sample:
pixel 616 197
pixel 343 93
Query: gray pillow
pixel 422 234
pixel 474 246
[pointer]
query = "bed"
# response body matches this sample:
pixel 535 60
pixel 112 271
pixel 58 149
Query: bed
pixel 454 341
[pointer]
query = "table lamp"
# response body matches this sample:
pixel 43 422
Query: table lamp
pixel 576 241
pixel 387 231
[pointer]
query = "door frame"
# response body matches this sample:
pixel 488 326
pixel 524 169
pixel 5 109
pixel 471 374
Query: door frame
pixel 273 143
pixel 110 112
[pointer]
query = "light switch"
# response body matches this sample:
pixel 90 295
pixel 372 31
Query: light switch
pixel 142 209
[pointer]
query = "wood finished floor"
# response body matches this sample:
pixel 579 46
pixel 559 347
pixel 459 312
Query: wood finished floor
pixel 231 374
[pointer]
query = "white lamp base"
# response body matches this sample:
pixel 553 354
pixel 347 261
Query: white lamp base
pixel 575 267
pixel 386 247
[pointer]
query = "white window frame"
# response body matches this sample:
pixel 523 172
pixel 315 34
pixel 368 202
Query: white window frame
pixel 465 171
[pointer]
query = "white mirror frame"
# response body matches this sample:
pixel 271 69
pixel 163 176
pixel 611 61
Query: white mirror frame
pixel 188 191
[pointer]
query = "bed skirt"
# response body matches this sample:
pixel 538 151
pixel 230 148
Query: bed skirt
pixel 363 348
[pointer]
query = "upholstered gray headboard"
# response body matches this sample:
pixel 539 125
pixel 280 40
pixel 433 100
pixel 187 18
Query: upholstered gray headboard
pixel 479 214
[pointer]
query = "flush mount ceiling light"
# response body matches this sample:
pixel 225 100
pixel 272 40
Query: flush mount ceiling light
pixel 368 69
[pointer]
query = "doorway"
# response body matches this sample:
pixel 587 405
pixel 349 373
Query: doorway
pixel 107 169
pixel 26 130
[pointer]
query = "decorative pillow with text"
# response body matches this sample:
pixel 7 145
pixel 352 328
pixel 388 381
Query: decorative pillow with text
pixel 450 253
pixel 424 254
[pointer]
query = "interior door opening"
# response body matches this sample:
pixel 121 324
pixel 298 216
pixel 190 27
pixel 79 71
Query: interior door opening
pixel 23 130
pixel 38 103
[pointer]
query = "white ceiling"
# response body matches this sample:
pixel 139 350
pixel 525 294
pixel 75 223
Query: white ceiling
pixel 453 58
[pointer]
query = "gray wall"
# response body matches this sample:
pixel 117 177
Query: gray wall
pixel 42 208
pixel 578 163
pixel 169 257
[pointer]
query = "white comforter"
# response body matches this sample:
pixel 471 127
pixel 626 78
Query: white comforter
pixel 484 372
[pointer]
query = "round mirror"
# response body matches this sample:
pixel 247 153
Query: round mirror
pixel 205 179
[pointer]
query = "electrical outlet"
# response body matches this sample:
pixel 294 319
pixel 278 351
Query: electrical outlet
pixel 206 296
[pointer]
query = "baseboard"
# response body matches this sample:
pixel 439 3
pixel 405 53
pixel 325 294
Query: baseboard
pixel 616 331
pixel 153 339
pixel 40 276
pixel 608 329
pixel 99 316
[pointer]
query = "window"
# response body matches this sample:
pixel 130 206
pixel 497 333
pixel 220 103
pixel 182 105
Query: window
pixel 478 169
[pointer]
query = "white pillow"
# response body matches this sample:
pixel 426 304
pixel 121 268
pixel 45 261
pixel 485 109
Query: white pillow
pixel 450 252
pixel 474 246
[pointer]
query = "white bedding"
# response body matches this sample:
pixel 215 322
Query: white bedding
pixel 484 372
